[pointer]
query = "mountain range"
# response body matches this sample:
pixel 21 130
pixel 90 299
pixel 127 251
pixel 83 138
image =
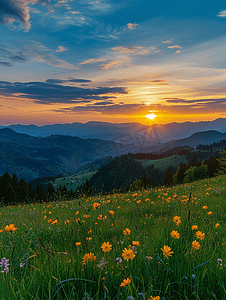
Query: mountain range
pixel 31 157
pixel 126 133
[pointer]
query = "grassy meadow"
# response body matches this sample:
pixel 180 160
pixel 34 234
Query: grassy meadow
pixel 163 243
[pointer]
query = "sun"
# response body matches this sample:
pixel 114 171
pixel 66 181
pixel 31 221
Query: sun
pixel 151 116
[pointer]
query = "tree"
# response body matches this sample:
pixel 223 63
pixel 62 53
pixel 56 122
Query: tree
pixel 86 188
pixel 213 165
pixel 179 175
pixel 168 177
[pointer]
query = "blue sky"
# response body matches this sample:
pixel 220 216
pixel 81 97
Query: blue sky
pixel 79 60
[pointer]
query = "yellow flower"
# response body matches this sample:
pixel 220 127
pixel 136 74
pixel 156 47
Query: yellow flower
pixel 205 207
pixel 177 220
pixel 125 282
pixel 196 244
pixel 87 257
pixel 126 231
pixel 200 235
pixel 216 225
pixel 96 205
pixel 136 243
pixel 194 227
pixel 167 251
pixel 78 244
pixel 154 298
pixel 106 247
pixel 111 212
pixel 209 213
pixel 128 254
pixel 55 221
pixel 10 228
pixel 175 234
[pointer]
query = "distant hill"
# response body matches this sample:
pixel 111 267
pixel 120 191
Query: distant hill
pixel 31 157
pixel 126 133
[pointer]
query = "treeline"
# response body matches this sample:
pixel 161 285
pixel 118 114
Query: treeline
pixel 17 191
pixel 213 146
pixel 155 156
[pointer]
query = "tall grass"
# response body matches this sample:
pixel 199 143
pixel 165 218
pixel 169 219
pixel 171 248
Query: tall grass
pixel 46 260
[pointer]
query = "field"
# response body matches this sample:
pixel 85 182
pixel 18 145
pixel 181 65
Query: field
pixel 73 181
pixel 164 243
pixel 164 163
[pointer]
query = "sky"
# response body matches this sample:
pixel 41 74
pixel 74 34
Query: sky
pixel 118 61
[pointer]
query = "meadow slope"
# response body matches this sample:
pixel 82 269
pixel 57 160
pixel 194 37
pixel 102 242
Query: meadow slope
pixel 163 243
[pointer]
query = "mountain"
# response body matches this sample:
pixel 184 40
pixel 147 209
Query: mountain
pixel 31 157
pixel 126 133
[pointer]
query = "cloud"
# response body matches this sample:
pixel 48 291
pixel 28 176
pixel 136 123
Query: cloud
pixel 222 14
pixel 12 11
pixel 49 92
pixel 71 79
pixel 5 63
pixel 130 50
pixel 167 42
pixel 11 56
pixel 132 25
pixel 61 49
pixel 92 60
pixel 42 54
pixel 175 46
pixel 178 51
pixel 112 64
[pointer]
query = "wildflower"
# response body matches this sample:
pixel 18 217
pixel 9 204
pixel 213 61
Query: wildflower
pixel 194 227
pixel 102 263
pixel 134 195
pixel 136 243
pixel 50 212
pixel 205 207
pixel 106 247
pixel 154 298
pixel 50 220
pixel 78 244
pixel 111 212
pixel 125 282
pixel 209 213
pixel 77 212
pixel 66 222
pixel 10 228
pixel 177 220
pixel 126 231
pixel 96 205
pixel 175 234
pixel 196 244
pixel 87 257
pixel 128 254
pixel 119 260
pixel 139 201
pixel 200 235
pixel 45 217
pixel 55 221
pixel 4 263
pixel 1 230
pixel 89 238
pixel 216 225
pixel 167 251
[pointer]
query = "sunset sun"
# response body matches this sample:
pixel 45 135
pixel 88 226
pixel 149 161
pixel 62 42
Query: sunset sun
pixel 151 116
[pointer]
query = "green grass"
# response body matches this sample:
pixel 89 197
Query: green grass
pixel 45 262
pixel 165 163
pixel 79 179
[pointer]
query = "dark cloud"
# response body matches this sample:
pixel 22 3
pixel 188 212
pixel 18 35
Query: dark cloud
pixel 198 101
pixel 5 63
pixel 47 93
pixel 67 80
pixel 17 10
pixel 12 57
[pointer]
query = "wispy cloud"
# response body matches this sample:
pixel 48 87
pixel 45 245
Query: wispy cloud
pixel 132 25
pixel 222 14
pixel 92 61
pixel 131 50
pixel 61 49
pixel 12 57
pixel 175 46
pixel 111 64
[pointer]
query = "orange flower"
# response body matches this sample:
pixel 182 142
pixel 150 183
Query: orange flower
pixel 66 222
pixel 194 227
pixel 200 235
pixel 126 231
pixel 125 282
pixel 136 243
pixel 175 234
pixel 167 251
pixel 196 244
pixel 209 213
pixel 111 212
pixel 10 228
pixel 55 221
pixel 78 244
pixel 216 225
pixel 87 257
pixel 205 207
